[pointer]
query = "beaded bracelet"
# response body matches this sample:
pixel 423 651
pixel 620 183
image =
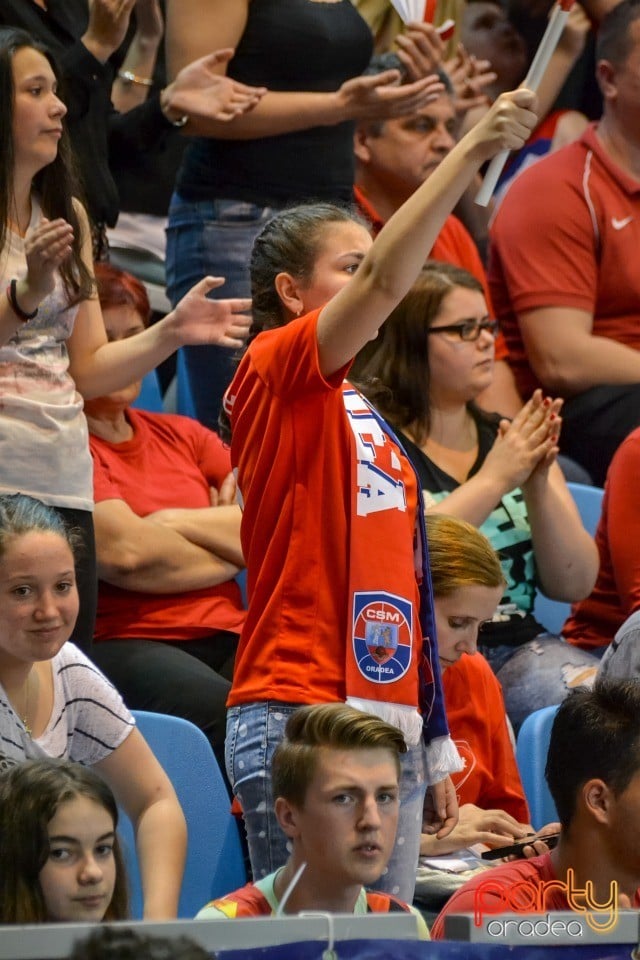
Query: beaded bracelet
pixel 127 77
pixel 15 306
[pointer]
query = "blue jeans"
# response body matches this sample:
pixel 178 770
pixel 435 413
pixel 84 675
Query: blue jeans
pixel 211 237
pixel 253 731
pixel 539 673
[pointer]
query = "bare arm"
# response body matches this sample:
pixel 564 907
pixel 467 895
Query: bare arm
pixel 216 529
pixel 566 356
pixel 566 555
pixel 141 56
pixel 143 789
pixel 99 368
pixel 393 262
pixel 136 553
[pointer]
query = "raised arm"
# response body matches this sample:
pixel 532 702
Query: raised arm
pixel 393 262
pixel 138 553
pixel 140 60
pixel 145 792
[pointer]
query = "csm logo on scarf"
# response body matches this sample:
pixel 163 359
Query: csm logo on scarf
pixel 382 630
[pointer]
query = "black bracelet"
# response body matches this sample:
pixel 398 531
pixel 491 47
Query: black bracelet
pixel 15 306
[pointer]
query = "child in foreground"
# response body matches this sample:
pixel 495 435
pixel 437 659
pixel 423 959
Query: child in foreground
pixel 59 850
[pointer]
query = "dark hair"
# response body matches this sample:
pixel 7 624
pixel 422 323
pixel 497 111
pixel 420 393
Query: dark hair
pixel 289 242
pixel 333 725
pixel 56 184
pixel 614 40
pixel 21 514
pixel 30 794
pixel 122 943
pixel 595 734
pixel 117 288
pixel 393 370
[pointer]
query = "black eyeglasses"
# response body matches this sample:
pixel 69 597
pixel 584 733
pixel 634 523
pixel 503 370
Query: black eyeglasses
pixel 468 329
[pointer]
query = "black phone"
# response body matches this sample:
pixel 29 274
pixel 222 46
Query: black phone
pixel 516 848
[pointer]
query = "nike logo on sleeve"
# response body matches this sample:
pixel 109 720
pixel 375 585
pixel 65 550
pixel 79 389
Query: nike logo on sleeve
pixel 619 224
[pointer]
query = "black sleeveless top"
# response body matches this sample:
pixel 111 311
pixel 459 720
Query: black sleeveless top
pixel 287 45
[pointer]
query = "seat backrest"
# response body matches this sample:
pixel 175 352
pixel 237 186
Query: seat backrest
pixel 552 614
pixel 532 745
pixel 589 502
pixel 184 396
pixel 215 862
pixel 150 396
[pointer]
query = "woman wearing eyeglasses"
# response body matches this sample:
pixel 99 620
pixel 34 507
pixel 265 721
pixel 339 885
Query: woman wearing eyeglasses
pixel 430 361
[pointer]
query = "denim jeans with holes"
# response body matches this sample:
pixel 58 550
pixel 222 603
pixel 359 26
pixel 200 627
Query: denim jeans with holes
pixel 253 731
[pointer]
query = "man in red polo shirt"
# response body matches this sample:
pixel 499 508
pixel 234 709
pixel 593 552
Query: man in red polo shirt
pixel 563 264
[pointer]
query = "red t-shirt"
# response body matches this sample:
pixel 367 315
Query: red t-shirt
pixel 454 245
pixel 616 595
pixel 476 715
pixel 292 448
pixel 171 461
pixel 567 234
pixel 510 878
pixel 535 871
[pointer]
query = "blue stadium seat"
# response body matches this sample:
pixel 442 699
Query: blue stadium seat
pixel 532 745
pixel 215 862
pixel 150 396
pixel 184 397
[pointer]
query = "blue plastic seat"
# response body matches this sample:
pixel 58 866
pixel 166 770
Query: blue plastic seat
pixel 552 614
pixel 150 396
pixel 215 863
pixel 184 396
pixel 532 745
pixel 589 503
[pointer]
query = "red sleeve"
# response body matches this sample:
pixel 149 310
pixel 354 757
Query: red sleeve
pixel 212 455
pixel 623 521
pixel 543 241
pixel 506 792
pixel 477 721
pixel 286 359
pixel 104 487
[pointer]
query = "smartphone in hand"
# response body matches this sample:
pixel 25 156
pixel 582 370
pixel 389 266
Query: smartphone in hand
pixel 515 849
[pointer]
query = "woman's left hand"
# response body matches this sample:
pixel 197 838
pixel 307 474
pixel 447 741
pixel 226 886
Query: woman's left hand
pixel 199 320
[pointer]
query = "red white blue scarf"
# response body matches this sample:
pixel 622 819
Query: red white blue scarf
pixel 388 556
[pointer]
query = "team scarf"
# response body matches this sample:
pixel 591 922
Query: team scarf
pixel 384 566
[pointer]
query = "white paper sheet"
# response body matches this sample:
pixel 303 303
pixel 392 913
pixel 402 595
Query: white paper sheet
pixel 411 11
